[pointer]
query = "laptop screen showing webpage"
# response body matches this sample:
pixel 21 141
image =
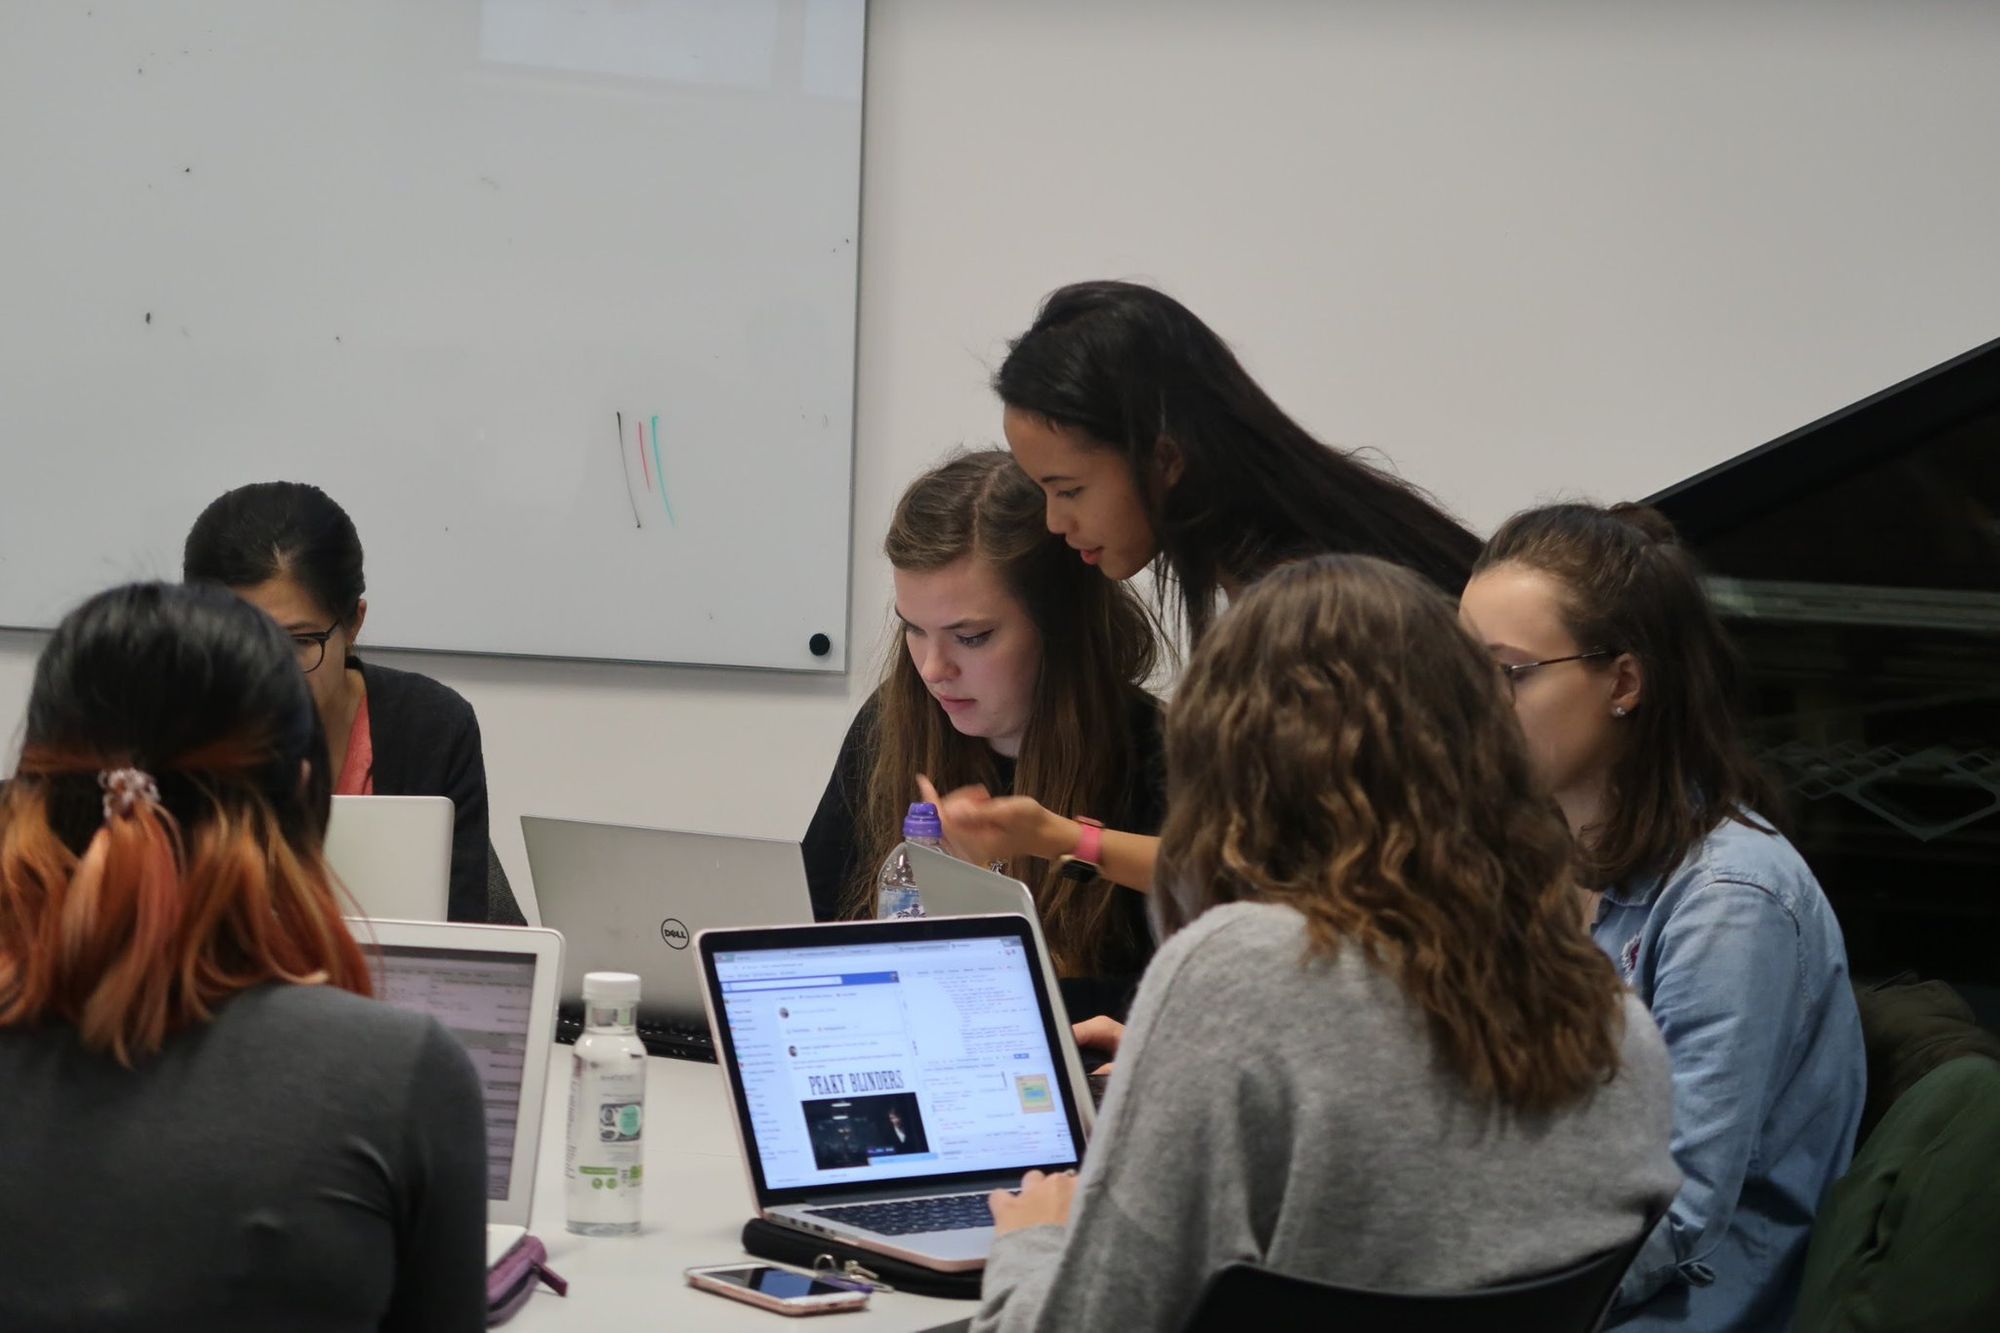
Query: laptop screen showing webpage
pixel 485 999
pixel 864 1063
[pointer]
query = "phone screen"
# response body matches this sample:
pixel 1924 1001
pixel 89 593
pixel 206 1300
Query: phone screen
pixel 778 1283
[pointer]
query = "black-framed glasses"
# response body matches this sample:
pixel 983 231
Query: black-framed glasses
pixel 310 648
pixel 1513 671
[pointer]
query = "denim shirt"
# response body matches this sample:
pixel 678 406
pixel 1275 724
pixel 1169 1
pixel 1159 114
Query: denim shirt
pixel 1739 958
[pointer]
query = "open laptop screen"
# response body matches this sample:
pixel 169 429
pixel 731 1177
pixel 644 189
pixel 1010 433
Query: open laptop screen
pixel 887 1059
pixel 486 999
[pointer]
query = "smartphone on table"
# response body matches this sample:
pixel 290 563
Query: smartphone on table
pixel 779 1287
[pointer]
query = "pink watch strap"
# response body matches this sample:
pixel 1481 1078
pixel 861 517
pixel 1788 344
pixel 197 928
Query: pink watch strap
pixel 1089 842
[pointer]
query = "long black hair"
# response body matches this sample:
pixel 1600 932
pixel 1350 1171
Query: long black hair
pixel 133 903
pixel 182 681
pixel 260 531
pixel 1130 367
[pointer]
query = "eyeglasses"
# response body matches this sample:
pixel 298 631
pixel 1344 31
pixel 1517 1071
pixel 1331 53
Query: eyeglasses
pixel 1513 671
pixel 311 648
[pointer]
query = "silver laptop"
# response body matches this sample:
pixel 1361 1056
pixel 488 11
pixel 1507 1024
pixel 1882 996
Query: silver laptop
pixel 951 887
pixel 393 854
pixel 886 1076
pixel 494 988
pixel 633 899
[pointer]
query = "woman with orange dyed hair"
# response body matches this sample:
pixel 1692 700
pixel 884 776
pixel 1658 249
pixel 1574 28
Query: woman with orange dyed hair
pixel 205 1123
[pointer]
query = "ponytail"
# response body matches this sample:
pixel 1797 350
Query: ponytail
pixel 146 930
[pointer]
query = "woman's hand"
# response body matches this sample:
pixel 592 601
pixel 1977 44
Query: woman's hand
pixel 1099 1034
pixel 983 828
pixel 1043 1201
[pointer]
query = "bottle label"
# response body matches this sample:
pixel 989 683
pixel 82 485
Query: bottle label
pixel 618 1122
pixel 607 1120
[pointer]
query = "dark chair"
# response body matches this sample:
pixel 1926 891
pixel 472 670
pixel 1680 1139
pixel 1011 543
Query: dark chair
pixel 1570 1300
pixel 502 909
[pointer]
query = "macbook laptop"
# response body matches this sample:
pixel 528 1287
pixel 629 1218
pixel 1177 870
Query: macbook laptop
pixel 633 899
pixel 393 854
pixel 951 887
pixel 886 1076
pixel 494 988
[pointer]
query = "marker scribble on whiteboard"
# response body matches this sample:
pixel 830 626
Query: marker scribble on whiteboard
pixel 626 472
pixel 660 469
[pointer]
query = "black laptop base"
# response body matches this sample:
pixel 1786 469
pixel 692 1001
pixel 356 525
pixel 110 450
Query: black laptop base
pixel 674 1041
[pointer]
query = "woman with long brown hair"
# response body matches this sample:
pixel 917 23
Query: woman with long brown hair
pixel 1020 676
pixel 1376 1047
pixel 1626 686
pixel 204 1122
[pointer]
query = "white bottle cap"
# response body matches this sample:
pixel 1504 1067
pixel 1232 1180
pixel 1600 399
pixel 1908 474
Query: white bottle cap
pixel 611 988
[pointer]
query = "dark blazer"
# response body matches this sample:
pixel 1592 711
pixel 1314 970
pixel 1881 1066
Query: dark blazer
pixel 427 744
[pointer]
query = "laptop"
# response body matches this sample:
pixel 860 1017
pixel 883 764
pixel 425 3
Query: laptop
pixel 393 854
pixel 951 887
pixel 886 1076
pixel 633 899
pixel 494 987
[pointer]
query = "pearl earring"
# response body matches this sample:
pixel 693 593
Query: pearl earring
pixel 1618 710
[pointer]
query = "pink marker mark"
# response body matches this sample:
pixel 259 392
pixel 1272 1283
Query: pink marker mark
pixel 643 465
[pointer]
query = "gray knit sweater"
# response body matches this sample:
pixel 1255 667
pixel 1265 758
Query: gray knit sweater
pixel 1289 1112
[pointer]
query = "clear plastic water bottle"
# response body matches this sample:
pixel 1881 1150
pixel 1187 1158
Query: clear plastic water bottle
pixel 604 1167
pixel 896 887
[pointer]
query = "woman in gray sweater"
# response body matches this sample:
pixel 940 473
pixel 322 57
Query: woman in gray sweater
pixel 1378 1048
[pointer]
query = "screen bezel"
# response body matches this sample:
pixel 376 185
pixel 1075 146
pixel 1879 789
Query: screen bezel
pixel 546 947
pixel 860 934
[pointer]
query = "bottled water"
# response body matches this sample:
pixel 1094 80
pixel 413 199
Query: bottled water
pixel 896 887
pixel 603 1168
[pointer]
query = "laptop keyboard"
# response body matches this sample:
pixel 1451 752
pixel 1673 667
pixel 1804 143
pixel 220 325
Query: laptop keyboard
pixel 671 1040
pixel 907 1217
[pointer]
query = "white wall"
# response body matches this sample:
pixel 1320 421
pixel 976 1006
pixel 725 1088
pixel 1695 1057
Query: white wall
pixel 1519 247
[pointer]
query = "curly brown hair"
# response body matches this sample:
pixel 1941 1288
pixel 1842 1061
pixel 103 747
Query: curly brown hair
pixel 1342 747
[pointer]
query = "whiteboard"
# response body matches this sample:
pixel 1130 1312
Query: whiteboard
pixel 557 299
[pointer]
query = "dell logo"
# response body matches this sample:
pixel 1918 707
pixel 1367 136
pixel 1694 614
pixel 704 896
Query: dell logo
pixel 674 934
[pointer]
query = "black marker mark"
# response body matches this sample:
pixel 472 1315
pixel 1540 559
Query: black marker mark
pixel 626 472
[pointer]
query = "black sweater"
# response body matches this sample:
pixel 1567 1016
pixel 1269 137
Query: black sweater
pixel 426 743
pixel 832 850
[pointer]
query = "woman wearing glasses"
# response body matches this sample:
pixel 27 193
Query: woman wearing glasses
pixel 289 550
pixel 1624 681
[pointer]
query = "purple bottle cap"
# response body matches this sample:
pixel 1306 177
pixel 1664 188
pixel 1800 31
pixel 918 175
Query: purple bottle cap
pixel 922 821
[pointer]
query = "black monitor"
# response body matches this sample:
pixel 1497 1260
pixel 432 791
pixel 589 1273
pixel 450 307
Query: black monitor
pixel 1857 562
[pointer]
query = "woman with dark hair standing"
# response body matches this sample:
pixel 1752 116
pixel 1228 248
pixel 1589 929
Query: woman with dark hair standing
pixel 204 1123
pixel 1376 1047
pixel 1019 671
pixel 1153 444
pixel 1626 687
pixel 289 550
pixel 1153 447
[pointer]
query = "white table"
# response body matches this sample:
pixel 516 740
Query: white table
pixel 697 1199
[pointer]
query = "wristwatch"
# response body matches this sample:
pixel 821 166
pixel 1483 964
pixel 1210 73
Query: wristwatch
pixel 1083 864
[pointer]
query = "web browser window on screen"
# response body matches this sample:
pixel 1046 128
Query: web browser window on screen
pixel 870 1062
pixel 485 999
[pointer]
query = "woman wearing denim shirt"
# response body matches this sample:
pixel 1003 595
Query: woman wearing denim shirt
pixel 1624 682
